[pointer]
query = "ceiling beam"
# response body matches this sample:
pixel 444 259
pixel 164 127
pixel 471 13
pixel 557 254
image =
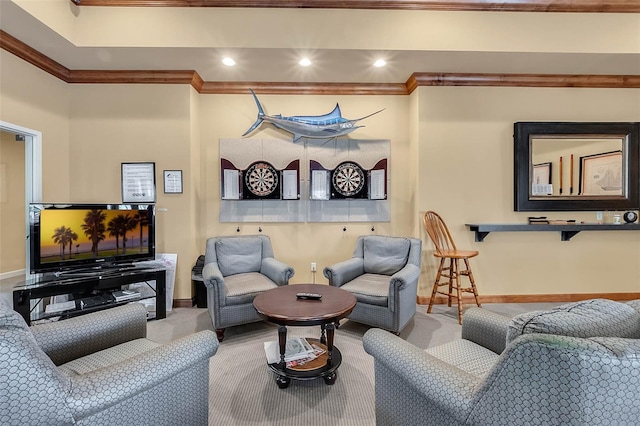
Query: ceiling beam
pixel 582 6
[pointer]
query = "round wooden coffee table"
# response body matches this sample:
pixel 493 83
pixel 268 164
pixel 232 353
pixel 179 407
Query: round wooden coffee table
pixel 281 306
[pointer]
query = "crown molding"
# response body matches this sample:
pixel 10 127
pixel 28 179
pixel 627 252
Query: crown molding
pixel 583 6
pixel 275 88
pixel 523 80
pixel 32 56
pixel 134 77
pixel 29 54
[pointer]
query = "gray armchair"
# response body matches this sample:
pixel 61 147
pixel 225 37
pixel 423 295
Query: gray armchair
pixel 99 369
pixel 578 364
pixel 383 276
pixel 236 270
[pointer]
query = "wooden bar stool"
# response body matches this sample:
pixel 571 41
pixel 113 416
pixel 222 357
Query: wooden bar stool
pixel 449 263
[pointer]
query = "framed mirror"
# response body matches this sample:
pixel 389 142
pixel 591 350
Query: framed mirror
pixel 576 166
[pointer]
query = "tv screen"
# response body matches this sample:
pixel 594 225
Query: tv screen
pixel 76 236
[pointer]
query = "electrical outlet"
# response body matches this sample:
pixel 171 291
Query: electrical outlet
pixel 313 266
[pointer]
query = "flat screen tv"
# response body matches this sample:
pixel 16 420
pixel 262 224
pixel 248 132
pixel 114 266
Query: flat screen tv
pixel 68 237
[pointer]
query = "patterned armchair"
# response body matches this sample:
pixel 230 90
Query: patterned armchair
pixel 383 276
pixel 237 269
pixel 99 369
pixel 578 364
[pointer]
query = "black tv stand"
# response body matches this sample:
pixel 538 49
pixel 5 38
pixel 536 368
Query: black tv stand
pixel 93 270
pixel 97 282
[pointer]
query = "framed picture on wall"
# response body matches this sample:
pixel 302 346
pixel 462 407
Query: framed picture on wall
pixel 172 181
pixel 542 173
pixel 601 174
pixel 138 182
pixel 541 179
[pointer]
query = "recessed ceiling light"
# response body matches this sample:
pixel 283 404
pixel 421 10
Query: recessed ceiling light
pixel 380 63
pixel 304 62
pixel 228 62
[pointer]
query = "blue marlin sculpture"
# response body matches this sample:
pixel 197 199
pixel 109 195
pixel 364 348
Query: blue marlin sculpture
pixel 310 126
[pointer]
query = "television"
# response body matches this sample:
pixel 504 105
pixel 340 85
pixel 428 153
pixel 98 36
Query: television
pixel 73 237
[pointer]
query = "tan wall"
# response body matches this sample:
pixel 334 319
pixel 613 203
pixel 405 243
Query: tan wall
pixel 33 99
pixel 12 202
pixel 113 124
pixel 197 179
pixel 466 174
pixel 298 244
pixel 451 31
pixel 451 151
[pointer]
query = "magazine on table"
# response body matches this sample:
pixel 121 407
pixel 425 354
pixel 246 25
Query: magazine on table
pixel 317 351
pixel 296 348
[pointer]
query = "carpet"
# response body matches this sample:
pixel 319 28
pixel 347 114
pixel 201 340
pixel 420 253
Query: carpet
pixel 243 390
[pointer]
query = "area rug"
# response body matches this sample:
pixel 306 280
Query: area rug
pixel 243 390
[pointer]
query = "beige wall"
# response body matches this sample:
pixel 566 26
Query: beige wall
pixel 33 99
pixel 12 202
pixel 451 151
pixel 113 124
pixel 470 31
pixel 466 174
pixel 197 207
pixel 229 116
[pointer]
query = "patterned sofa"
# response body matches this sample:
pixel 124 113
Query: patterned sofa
pixel 577 364
pixel 99 369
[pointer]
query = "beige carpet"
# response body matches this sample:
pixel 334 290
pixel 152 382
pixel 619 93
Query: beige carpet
pixel 243 390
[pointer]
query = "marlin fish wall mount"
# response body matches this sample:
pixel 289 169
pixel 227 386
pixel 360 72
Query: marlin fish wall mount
pixel 324 126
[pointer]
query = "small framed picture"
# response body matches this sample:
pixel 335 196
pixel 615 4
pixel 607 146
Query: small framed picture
pixel 542 174
pixel 602 174
pixel 172 181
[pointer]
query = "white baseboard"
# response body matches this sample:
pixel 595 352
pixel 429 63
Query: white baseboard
pixel 12 274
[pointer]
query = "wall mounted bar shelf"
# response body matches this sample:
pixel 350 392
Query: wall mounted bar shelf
pixel 566 231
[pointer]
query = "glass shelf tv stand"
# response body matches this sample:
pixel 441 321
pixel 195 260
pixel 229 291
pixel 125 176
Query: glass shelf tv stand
pixel 83 286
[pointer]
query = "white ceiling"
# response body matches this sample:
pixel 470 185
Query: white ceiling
pixel 276 64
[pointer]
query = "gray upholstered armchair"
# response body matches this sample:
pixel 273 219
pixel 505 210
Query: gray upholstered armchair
pixel 383 276
pixel 237 269
pixel 99 369
pixel 578 364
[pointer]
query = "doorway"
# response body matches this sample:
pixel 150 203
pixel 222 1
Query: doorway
pixel 13 216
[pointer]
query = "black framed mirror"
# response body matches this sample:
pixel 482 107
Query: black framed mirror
pixel 563 166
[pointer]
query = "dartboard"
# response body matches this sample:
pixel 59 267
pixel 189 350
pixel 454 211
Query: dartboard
pixel 261 179
pixel 348 179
